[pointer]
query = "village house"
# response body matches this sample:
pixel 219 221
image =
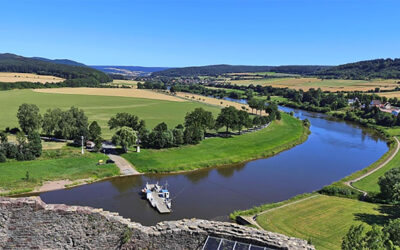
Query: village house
pixel 387 106
pixel 375 103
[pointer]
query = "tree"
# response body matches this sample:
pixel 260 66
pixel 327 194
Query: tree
pixel 162 127
pixel 252 104
pixel 35 144
pixel 193 135
pixel 178 136
pixel 94 131
pixel 200 118
pixel 377 239
pixel 29 118
pixel 228 118
pixel 354 240
pixel 2 157
pixel 51 122
pixel 125 137
pixel 393 231
pixel 390 185
pixel 243 120
pixel 126 120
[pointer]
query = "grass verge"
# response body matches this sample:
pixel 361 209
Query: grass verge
pixel 279 136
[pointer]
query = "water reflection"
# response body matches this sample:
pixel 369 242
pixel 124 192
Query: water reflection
pixel 333 150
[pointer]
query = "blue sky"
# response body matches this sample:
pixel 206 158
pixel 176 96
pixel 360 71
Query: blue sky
pixel 192 32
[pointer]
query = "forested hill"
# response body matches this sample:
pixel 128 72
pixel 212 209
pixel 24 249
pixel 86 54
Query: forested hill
pixel 15 63
pixel 379 68
pixel 60 61
pixel 213 70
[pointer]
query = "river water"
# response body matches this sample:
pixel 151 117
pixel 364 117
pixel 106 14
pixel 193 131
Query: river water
pixel 333 150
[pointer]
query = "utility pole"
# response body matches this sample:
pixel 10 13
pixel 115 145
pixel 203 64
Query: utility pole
pixel 82 145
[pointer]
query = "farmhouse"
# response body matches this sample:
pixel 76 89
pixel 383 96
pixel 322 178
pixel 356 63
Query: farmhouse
pixel 375 103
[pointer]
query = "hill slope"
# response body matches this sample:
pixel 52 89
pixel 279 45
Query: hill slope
pixel 224 68
pixel 20 64
pixel 128 70
pixel 60 61
pixel 379 68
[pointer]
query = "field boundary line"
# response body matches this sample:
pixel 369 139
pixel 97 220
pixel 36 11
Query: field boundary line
pixel 350 182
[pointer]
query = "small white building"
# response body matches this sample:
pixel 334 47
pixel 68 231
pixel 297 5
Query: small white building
pixel 90 145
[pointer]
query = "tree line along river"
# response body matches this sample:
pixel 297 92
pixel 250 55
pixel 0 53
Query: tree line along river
pixel 333 150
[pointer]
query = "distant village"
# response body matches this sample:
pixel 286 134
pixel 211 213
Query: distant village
pixel 384 107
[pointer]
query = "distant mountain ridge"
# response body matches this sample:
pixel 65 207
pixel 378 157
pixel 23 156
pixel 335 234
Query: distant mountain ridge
pixel 128 70
pixel 225 68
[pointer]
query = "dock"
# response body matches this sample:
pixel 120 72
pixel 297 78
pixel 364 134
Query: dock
pixel 160 204
pixel 158 198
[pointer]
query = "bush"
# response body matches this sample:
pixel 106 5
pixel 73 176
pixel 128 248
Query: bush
pixel 339 191
pixel 389 185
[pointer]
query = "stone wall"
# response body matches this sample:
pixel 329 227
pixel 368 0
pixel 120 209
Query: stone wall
pixel 30 223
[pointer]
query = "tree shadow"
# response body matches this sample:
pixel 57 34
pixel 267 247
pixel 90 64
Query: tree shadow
pixel 387 212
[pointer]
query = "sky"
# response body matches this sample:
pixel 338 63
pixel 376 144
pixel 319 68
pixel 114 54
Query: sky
pixel 176 33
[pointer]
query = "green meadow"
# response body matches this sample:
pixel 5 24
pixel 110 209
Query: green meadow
pixel 324 220
pixel 59 164
pixel 99 108
pixel 280 135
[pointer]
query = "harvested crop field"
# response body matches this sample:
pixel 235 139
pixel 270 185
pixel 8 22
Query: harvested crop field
pixel 128 92
pixel 27 77
pixel 213 101
pixel 326 85
pixel 390 94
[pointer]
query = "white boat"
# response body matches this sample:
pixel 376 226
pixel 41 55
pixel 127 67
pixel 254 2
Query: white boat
pixel 158 196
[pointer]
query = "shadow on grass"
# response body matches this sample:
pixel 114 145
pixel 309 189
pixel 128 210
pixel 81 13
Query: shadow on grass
pixel 388 212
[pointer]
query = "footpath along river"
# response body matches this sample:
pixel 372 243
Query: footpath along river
pixel 333 150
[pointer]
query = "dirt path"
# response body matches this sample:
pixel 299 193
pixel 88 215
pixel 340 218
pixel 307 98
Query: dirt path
pixel 349 183
pixel 252 219
pixel 125 167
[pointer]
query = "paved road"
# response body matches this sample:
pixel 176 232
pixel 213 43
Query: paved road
pixel 126 168
pixel 349 183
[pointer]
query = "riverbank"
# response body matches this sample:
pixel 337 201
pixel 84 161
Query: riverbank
pixel 279 136
pixel 54 173
pixel 323 219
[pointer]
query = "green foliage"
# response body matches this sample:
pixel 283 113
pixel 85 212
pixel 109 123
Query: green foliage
pixel 69 124
pixel 340 191
pixel 193 135
pixel 126 235
pixel 125 137
pixel 393 230
pixel 29 118
pixel 200 118
pixel 2 157
pixel 126 120
pixel 390 185
pixel 94 131
pixel 35 144
pixel 354 238
pixel 228 118
pixel 376 238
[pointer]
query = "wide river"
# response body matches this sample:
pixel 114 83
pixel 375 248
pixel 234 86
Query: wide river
pixel 333 150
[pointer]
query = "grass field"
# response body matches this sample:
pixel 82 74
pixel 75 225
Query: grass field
pixel 56 165
pixel 328 84
pixel 390 94
pixel 279 136
pixel 99 108
pixel 27 77
pixel 323 219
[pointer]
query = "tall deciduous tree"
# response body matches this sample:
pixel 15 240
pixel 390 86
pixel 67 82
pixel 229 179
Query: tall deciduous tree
pixel 125 137
pixel 200 118
pixel 29 118
pixel 228 118
pixel 390 185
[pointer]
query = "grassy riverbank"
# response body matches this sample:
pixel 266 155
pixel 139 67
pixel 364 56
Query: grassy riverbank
pixel 279 136
pixel 54 165
pixel 324 219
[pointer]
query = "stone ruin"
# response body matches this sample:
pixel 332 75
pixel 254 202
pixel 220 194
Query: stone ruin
pixel 29 223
